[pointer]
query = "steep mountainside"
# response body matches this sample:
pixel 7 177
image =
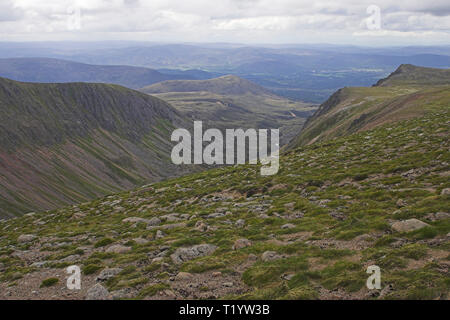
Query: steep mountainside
pixel 54 70
pixel 407 93
pixel 67 143
pixel 232 102
pixel 379 197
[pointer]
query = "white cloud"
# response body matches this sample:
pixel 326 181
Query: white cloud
pixel 223 20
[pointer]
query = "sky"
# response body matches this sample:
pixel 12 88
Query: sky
pixel 357 22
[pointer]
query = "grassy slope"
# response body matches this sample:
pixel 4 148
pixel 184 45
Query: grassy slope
pixel 68 143
pixel 349 191
pixel 232 102
pixel 405 94
pixel 411 75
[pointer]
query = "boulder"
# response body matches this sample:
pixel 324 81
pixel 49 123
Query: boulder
pixel 98 292
pixel 24 238
pixel 140 240
pixel 183 276
pixel 108 273
pixel 154 221
pixel 215 215
pixel 241 243
pixel 201 226
pixel 118 248
pixel 240 223
pixel 185 254
pixel 159 234
pixel 408 225
pixel 270 255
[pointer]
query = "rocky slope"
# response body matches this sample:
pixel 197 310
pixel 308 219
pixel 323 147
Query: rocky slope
pixel 68 143
pixel 379 197
pixel 406 93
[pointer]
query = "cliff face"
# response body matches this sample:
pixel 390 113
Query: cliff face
pixel 62 143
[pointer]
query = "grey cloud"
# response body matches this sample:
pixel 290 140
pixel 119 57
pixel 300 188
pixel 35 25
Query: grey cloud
pixel 8 12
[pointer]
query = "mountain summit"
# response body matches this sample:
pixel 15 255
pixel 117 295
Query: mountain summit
pixel 408 74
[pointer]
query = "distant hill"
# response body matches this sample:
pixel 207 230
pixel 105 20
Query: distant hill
pixel 67 143
pixel 55 70
pixel 225 85
pixel 308 73
pixel 407 93
pixel 411 75
pixel 232 102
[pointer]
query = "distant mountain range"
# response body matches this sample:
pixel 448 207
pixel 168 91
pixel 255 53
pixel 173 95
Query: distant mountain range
pixel 59 71
pixel 308 73
pixel 408 92
pixel 67 143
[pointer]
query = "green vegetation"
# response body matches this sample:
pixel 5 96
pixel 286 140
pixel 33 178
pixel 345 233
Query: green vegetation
pixel 309 232
pixel 49 282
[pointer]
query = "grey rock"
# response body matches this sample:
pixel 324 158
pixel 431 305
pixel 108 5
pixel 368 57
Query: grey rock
pixel 135 220
pixel 98 292
pixel 24 238
pixel 183 276
pixel 108 273
pixel 159 234
pixel 71 258
pixel 241 243
pixel 201 226
pixel 172 217
pixel 38 264
pixel 125 293
pixel 401 203
pixel 270 255
pixel 288 226
pixel 184 254
pixel 118 248
pixel 437 216
pixel 140 240
pixel 408 225
pixel 154 221
pixel 216 215
pixel 240 223
pixel 168 226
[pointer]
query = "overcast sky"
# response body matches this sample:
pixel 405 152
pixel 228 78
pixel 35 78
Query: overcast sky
pixel 245 21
